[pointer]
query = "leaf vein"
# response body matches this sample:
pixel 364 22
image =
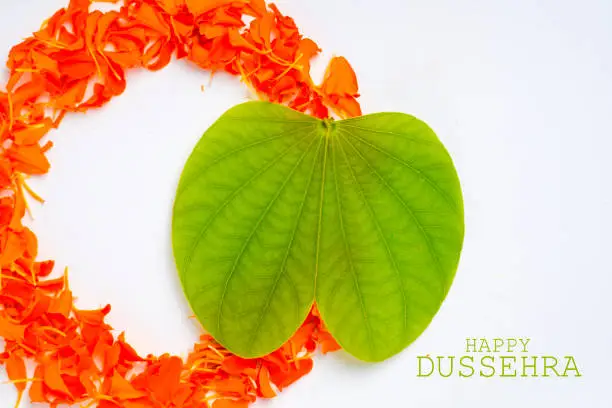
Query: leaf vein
pixel 416 171
pixel 386 132
pixel 410 211
pixel 380 232
pixel 201 172
pixel 252 234
pixel 230 198
pixel 283 270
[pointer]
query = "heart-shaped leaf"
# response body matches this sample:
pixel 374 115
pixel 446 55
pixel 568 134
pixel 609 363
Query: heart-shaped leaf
pixel 275 209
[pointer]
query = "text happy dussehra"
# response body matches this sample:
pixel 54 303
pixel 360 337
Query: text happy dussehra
pixel 498 357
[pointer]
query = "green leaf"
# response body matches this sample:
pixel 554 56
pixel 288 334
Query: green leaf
pixel 275 209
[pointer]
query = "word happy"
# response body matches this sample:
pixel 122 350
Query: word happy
pixel 497 357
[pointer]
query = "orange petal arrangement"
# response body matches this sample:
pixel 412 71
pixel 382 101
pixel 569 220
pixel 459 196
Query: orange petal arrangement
pixel 75 62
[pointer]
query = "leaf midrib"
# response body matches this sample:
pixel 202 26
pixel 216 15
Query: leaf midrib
pixel 321 201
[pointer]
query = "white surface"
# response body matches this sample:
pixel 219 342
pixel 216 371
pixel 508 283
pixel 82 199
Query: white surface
pixel 520 91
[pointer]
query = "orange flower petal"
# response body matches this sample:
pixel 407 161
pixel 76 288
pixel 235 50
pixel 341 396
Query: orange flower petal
pixel 150 17
pixel 122 389
pixel 77 61
pixel 286 379
pixel 263 381
pixel 16 370
pixel 171 7
pixel 45 63
pixel 28 159
pixel 199 7
pixel 127 352
pixel 167 380
pixel 53 378
pixel 340 78
pixel 36 392
pixel 229 403
pixel 32 135
pixel 327 342
pixel 62 304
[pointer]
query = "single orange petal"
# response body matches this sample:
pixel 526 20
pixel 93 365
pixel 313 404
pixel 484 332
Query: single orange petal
pixel 85 378
pixel 161 58
pixel 182 395
pixel 52 285
pixel 283 380
pixel 77 69
pixel 43 269
pixel 93 317
pixel 278 359
pixel 199 7
pixel 62 304
pixel 45 63
pixel 340 78
pixel 348 105
pixel 19 210
pixel 31 242
pixel 263 381
pixel 128 353
pixel 111 358
pixel 16 370
pixel 211 31
pixel 28 159
pixel 304 333
pixel 167 380
pixel 199 55
pixel 182 29
pixel 29 91
pixel 307 50
pixel 261 29
pixel 144 403
pixel 285 86
pixel 107 404
pixel 235 365
pixel 171 7
pixel 72 96
pixel 230 403
pixel 14 247
pixel 53 379
pixel 124 59
pixel 327 342
pixel 98 354
pixel 32 135
pixel 231 385
pixel 152 18
pixel 122 389
pixel 36 392
pixel 237 40
pixel 6 171
pixel 258 8
pixel 102 30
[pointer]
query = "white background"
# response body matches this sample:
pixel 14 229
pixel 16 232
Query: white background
pixel 520 91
